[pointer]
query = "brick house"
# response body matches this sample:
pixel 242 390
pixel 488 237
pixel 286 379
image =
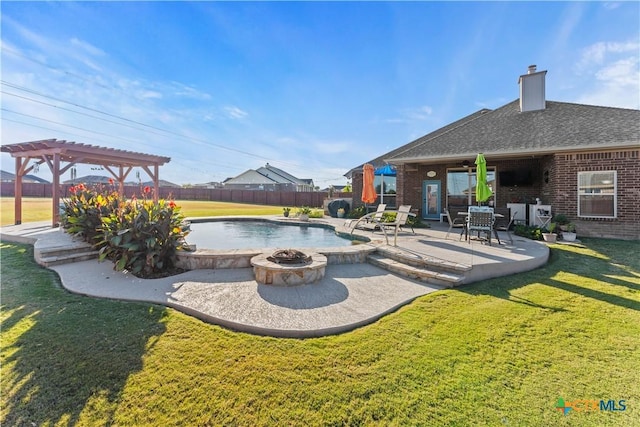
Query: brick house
pixel 579 160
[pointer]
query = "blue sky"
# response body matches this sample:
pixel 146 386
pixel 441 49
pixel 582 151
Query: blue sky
pixel 311 87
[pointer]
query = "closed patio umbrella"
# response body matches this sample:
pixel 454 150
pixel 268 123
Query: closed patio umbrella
pixel 483 192
pixel 368 190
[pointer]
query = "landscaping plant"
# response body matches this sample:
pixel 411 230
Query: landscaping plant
pixel 143 236
pixel 139 235
pixel 86 206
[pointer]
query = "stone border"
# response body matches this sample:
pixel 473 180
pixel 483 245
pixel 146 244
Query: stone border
pixel 270 273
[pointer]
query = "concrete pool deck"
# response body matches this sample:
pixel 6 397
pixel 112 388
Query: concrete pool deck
pixel 349 296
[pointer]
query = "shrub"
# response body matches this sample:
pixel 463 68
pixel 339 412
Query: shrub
pixel 416 222
pixel 358 212
pixel 85 207
pixel 304 210
pixel 316 213
pixel 561 219
pixel 143 237
pixel 530 232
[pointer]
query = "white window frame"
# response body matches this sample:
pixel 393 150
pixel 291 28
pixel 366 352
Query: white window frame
pixel 582 192
pixel 471 184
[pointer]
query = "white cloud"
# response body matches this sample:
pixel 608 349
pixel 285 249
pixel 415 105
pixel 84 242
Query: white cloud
pixel 235 112
pixel 613 73
pixel 597 53
pixel 87 47
pixel 409 115
pixel 184 91
pixel 611 5
pixel 149 94
pixel 617 84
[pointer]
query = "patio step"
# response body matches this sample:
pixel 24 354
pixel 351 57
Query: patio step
pixel 49 260
pixel 422 261
pixel 62 249
pixel 420 273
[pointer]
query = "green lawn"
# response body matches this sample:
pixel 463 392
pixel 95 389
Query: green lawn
pixel 39 209
pixel 499 352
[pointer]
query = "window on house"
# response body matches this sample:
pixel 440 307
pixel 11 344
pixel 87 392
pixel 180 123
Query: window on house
pixel 597 194
pixel 386 189
pixel 461 186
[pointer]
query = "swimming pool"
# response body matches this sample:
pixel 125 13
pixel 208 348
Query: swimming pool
pixel 250 234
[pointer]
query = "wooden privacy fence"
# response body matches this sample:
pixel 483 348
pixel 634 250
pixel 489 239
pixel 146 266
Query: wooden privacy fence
pixel 272 198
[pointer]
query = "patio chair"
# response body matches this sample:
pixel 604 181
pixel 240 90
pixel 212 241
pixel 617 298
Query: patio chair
pixel 402 218
pixel 372 222
pixel 504 224
pixel 369 221
pixel 480 219
pixel 454 223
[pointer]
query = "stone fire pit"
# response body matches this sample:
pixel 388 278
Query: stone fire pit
pixel 288 267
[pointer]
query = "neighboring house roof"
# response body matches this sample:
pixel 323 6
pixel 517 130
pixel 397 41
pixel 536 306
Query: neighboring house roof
pixel 267 175
pixel 506 131
pixel 251 176
pixel 10 177
pixel 101 179
pixel 89 179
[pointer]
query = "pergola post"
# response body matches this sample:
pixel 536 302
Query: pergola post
pixel 55 190
pixel 18 192
pixel 156 182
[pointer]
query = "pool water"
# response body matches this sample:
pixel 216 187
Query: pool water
pixel 261 234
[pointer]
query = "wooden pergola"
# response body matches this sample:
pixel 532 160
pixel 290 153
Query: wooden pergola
pixel 53 152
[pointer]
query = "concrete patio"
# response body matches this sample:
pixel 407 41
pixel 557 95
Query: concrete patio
pixel 351 294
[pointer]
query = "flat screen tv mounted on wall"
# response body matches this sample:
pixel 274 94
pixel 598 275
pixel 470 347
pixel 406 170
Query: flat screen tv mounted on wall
pixel 517 178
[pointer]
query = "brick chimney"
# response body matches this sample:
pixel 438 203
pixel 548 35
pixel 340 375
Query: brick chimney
pixel 532 90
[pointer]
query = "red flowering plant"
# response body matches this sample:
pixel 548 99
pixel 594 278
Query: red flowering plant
pixel 143 236
pixel 85 207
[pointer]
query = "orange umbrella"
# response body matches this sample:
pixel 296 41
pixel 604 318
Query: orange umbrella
pixel 368 190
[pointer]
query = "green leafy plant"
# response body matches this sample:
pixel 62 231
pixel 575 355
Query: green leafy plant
pixel 286 210
pixel 86 206
pixel 551 228
pixel 138 235
pixel 316 213
pixel 530 232
pixel 304 210
pixel 561 219
pixel 143 236
pixel 571 227
pixel 357 212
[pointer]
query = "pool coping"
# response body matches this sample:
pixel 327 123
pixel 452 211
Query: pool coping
pixel 206 258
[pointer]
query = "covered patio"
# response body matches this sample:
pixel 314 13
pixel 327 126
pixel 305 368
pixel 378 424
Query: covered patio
pixel 119 163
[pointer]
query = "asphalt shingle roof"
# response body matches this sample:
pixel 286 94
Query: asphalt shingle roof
pixel 560 127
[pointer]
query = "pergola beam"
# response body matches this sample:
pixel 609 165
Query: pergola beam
pixel 54 152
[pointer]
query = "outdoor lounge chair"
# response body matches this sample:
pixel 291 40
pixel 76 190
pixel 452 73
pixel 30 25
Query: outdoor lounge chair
pixel 402 218
pixel 369 221
pixel 454 223
pixel 375 218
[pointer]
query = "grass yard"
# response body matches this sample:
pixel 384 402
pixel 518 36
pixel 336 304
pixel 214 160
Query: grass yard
pixel 39 209
pixel 498 352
